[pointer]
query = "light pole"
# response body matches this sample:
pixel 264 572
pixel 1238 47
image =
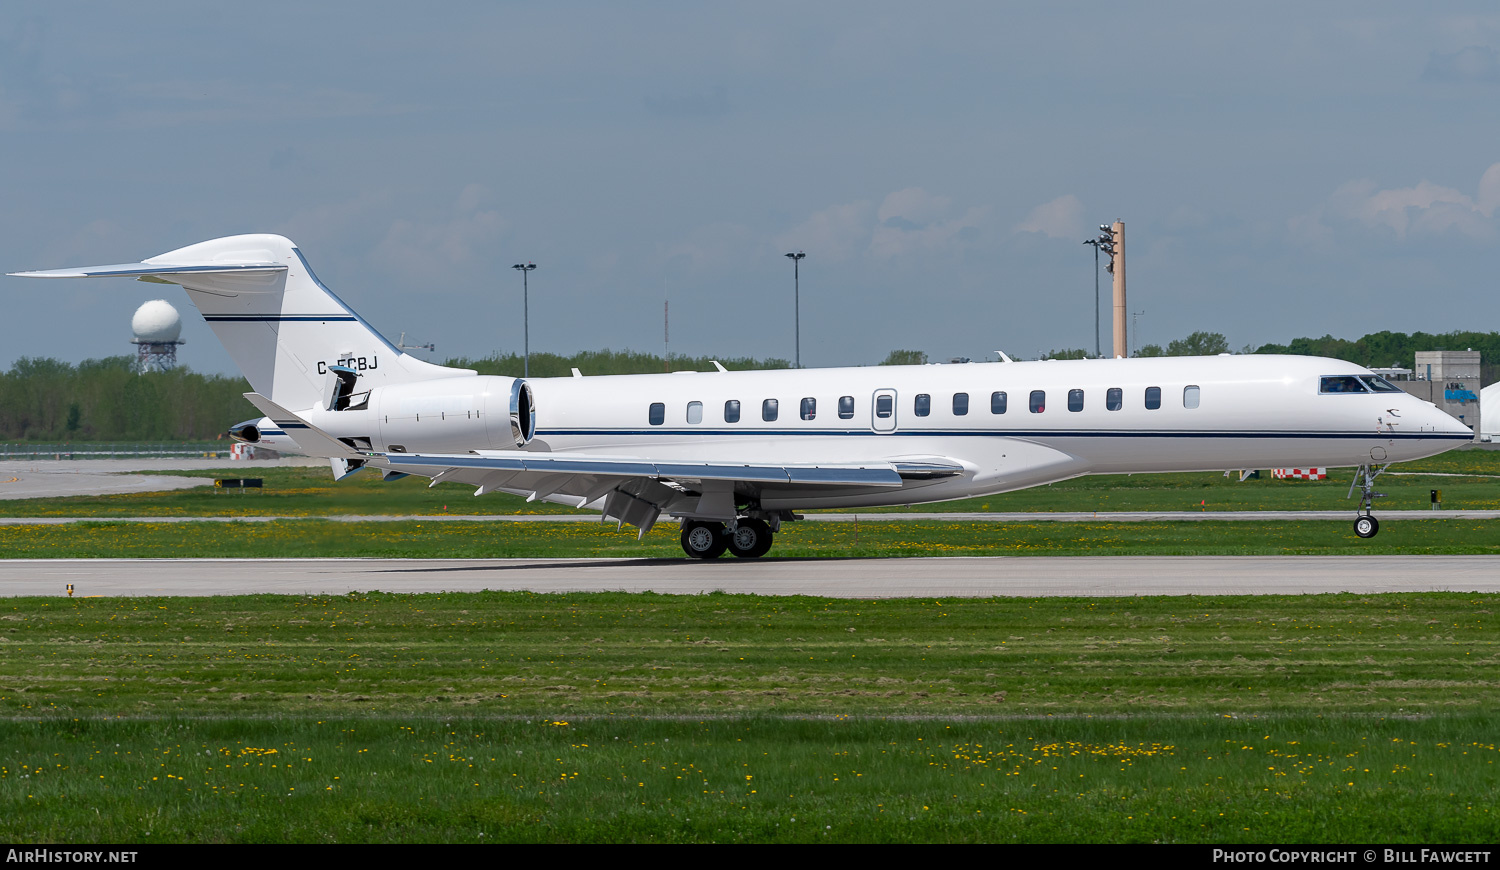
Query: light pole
pixel 1097 347
pixel 525 315
pixel 797 304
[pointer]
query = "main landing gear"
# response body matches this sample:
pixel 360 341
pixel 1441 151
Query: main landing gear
pixel 749 538
pixel 1365 525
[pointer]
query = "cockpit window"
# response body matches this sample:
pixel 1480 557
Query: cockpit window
pixel 1341 384
pixel 1379 384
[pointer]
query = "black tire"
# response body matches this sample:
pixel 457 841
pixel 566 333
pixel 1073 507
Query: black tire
pixel 704 540
pixel 750 539
pixel 1366 526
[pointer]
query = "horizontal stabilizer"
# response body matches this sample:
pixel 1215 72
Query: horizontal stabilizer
pixel 278 322
pixel 309 438
pixel 143 270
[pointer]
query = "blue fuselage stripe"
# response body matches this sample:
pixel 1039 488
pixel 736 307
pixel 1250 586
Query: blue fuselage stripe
pixel 275 318
pixel 1020 433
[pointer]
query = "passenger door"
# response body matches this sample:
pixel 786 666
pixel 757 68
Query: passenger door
pixel 883 411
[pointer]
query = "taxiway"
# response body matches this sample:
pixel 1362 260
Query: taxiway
pixel 836 578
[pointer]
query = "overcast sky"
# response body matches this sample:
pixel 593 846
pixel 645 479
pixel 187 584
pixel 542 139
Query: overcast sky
pixel 1282 170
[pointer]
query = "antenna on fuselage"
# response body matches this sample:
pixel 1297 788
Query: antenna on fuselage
pixel 1003 357
pixel 402 345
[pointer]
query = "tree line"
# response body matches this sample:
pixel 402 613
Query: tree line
pixel 105 400
pixel 1398 349
pixel 1376 350
pixel 605 362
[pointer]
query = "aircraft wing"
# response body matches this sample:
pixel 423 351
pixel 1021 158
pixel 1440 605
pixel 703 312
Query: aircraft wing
pixel 632 489
pixel 636 490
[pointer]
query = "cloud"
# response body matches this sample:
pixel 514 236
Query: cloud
pixel 913 220
pixel 914 205
pixel 907 221
pixel 838 232
pixel 464 236
pixel 1062 218
pixel 1474 63
pixel 1423 209
pixel 710 250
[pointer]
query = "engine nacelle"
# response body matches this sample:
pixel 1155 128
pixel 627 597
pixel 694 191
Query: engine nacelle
pixel 247 432
pixel 449 415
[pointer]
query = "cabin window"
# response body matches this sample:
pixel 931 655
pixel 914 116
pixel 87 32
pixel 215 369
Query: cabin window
pixel 1038 401
pixel 770 409
pixel 1114 399
pixel 1379 384
pixel 960 404
pixel 885 406
pixel 732 411
pixel 695 412
pixel 1153 398
pixel 809 408
pixel 923 405
pixel 1190 396
pixel 1341 384
pixel 1075 400
pixel 658 413
pixel 997 403
pixel 846 407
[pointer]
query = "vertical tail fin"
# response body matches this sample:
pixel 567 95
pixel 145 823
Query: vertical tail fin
pixel 280 324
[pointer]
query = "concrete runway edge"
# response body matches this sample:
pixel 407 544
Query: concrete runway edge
pixel 1027 576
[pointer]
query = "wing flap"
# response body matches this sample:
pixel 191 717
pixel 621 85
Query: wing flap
pixel 868 474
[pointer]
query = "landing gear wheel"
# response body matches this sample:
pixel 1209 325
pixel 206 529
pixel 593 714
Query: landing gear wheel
pixel 1366 526
pixel 750 539
pixel 704 540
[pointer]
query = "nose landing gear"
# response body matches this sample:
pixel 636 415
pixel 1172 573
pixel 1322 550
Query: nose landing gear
pixel 1365 524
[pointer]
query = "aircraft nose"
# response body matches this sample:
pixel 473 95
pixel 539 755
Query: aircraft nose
pixel 1441 421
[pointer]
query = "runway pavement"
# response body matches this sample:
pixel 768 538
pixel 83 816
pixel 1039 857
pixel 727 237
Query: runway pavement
pixel 50 478
pixel 836 578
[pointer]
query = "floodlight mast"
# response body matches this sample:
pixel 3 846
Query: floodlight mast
pixel 797 306
pixel 1112 241
pixel 1098 352
pixel 525 316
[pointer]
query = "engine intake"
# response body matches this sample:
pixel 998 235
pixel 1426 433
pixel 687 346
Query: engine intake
pixel 522 413
pixel 246 433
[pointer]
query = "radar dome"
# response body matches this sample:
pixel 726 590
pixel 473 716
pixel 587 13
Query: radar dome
pixel 156 321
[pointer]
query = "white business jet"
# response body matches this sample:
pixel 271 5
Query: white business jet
pixel 734 455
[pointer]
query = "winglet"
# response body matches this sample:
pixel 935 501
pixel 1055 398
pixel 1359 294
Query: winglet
pixel 309 438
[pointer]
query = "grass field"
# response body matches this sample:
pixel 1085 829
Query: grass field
pixel 519 717
pixel 526 717
pixel 485 540
pixel 461 779
pixel 514 717
pixel 313 492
